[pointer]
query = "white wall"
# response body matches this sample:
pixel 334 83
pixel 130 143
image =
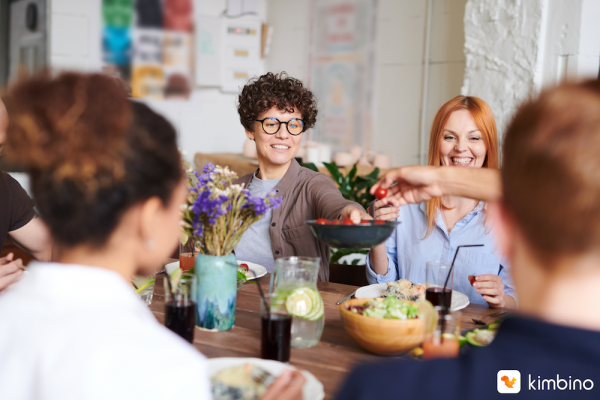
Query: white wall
pixel 572 41
pixel 447 59
pixel 207 123
pixel 289 44
pixel 71 25
pixel 513 49
pixel 399 65
pixel 503 52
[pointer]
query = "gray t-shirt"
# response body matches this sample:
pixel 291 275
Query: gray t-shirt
pixel 255 244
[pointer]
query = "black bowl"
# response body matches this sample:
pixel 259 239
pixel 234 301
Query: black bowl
pixel 360 236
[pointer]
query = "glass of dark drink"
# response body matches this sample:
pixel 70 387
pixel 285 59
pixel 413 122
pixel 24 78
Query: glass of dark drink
pixel 276 329
pixel 436 278
pixel 180 305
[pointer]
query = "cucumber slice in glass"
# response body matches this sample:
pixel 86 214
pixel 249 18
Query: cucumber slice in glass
pixel 300 302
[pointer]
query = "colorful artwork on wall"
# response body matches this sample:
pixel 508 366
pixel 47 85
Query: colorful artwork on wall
pixel 148 43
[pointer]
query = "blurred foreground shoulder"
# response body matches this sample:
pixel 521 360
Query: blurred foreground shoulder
pixel 407 379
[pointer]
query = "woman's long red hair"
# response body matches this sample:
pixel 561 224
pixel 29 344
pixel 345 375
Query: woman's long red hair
pixel 484 119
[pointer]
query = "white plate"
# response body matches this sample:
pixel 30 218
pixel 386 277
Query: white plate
pixel 313 389
pixel 169 268
pixel 459 300
pixel 259 270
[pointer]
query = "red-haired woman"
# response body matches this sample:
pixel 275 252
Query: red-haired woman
pixel 463 134
pixel 546 214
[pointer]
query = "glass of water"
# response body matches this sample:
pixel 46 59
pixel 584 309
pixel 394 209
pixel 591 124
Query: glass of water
pixel 144 287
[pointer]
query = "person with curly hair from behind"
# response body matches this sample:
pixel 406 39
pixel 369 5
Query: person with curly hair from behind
pixel 108 181
pixel 275 110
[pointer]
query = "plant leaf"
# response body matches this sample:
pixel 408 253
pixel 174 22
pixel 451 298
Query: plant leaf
pixel 352 172
pixel 374 174
pixel 335 172
pixel 310 166
pixel 339 253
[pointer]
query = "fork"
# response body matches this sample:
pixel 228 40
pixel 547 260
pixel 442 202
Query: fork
pixel 346 298
pixel 260 376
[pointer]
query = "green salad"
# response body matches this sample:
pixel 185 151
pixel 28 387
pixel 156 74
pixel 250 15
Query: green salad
pixel 390 308
pixel 241 275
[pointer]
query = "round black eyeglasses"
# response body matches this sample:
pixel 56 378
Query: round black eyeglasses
pixel 295 126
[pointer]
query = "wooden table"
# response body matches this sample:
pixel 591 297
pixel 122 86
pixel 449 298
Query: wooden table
pixel 329 361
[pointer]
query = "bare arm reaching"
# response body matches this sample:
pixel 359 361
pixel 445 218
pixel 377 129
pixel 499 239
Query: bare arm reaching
pixel 416 184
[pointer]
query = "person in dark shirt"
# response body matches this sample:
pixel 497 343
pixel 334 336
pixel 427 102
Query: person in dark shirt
pixel 17 220
pixel 545 207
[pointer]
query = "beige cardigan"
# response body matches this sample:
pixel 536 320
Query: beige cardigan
pixel 306 195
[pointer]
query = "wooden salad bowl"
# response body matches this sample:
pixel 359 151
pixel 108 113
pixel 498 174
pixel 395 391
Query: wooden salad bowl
pixel 382 336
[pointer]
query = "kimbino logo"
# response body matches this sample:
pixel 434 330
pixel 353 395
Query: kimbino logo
pixel 509 381
pixel 560 384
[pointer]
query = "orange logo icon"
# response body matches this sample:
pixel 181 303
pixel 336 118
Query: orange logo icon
pixel 507 382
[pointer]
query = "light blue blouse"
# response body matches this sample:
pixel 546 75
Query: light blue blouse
pixel 408 252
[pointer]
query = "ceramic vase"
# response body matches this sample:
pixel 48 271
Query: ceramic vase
pixel 217 291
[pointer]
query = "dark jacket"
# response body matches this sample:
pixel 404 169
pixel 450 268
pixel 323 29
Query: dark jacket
pixel 306 195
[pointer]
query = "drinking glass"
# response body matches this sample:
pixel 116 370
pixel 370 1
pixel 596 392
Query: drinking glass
pixel 180 307
pixel 443 342
pixel 276 329
pixel 294 274
pixel 144 287
pixel 436 278
pixel 187 255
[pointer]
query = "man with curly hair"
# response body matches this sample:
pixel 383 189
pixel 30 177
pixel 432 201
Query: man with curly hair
pixel 276 110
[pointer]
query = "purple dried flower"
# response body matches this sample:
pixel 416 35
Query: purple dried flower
pixel 211 208
pixel 211 201
pixel 198 228
pixel 274 202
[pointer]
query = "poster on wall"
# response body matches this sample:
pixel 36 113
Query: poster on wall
pixel 228 51
pixel 149 44
pixel 341 70
pixel 208 51
pixel 117 23
pixel 178 48
pixel 240 52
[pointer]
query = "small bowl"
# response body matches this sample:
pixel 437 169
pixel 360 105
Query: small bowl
pixel 361 236
pixel 387 337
